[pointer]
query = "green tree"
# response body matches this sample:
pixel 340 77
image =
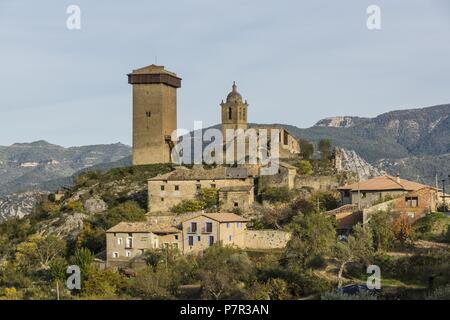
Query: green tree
pixel 357 248
pixel 276 194
pixel 129 211
pixel 313 237
pixel 235 268
pixel 58 269
pixel 39 251
pixel 210 198
pixel 324 147
pixel 306 149
pixel 149 284
pixel 305 167
pixel 83 258
pixel 191 205
pixel 381 225
pixel 325 200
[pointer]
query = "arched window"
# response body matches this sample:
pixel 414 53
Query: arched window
pixel 229 113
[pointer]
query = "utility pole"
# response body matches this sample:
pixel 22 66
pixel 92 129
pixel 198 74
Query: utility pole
pixel 443 193
pixel 57 290
pixel 359 194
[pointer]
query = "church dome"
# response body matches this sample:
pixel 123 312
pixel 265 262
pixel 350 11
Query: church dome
pixel 234 96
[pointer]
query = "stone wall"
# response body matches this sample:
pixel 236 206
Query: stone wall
pixel 266 239
pixel 322 183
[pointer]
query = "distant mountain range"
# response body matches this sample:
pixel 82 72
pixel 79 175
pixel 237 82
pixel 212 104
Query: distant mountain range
pixel 44 166
pixel 414 143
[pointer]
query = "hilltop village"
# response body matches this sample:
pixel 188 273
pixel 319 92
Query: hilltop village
pixel 165 229
pixel 175 218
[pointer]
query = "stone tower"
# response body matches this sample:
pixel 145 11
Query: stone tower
pixel 154 113
pixel 234 111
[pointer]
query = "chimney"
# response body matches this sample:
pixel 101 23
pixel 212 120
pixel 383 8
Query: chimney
pixel 398 178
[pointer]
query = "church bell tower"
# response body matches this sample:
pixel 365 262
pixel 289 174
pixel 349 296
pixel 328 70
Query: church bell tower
pixel 234 111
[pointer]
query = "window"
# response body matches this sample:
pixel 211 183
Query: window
pixel 208 227
pixel 229 113
pixel 199 186
pixel 364 195
pixel 129 243
pixel 176 237
pixel 347 193
pixel 119 241
pixel 228 225
pixel 412 202
pixel 191 240
pixel 162 188
pixel 230 237
pixel 199 238
pixel 115 255
pixel 148 114
pixel 285 138
pixel 238 225
pixel 128 254
pixel 162 199
pixel 193 227
pixel 236 204
pixel 213 186
pixel 211 240
pixel 177 188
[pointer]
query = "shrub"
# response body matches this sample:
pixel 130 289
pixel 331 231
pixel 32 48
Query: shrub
pixel 188 206
pixel 402 229
pixel 73 206
pixel 432 227
pixel 442 293
pixel 305 167
pixel 276 194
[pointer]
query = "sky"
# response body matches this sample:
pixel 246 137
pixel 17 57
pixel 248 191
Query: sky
pixel 296 62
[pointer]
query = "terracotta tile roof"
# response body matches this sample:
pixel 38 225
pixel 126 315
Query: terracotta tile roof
pixel 385 183
pixel 221 217
pixel 143 227
pixel 217 173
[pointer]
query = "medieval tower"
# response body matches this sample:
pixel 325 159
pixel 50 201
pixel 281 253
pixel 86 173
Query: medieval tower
pixel 154 113
pixel 234 111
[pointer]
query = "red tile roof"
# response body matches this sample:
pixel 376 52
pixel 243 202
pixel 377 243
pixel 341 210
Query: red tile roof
pixel 385 183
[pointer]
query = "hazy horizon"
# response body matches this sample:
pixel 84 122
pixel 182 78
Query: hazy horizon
pixel 295 63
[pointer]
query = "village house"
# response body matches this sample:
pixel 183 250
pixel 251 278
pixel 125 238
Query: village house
pixel 193 233
pixel 235 186
pixel 385 193
pixel 128 240
pixel 206 229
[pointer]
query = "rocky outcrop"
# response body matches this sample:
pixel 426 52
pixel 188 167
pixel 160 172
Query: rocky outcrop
pixel 95 205
pixel 351 161
pixel 19 204
pixel 66 226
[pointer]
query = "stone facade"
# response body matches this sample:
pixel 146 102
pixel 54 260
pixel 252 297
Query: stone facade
pixel 266 239
pixel 154 113
pixel 236 198
pixel 284 178
pixel 168 190
pixel 205 230
pixel 126 241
